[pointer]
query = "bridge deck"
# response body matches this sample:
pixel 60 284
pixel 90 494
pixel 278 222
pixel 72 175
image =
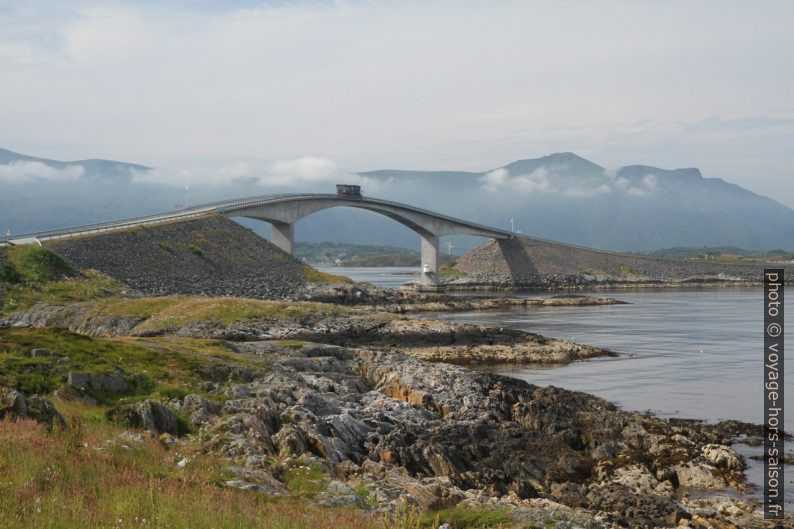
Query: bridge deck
pixel 228 207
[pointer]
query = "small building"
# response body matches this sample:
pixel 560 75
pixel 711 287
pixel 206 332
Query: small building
pixel 348 190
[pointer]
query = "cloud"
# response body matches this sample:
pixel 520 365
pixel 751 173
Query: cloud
pixel 501 180
pixel 622 183
pixel 649 184
pixel 309 169
pixel 496 179
pixel 160 82
pixel 23 171
pixel 542 180
pixel 584 192
pixel 298 172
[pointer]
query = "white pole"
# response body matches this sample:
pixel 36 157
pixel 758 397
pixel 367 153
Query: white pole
pixel 186 197
pixel 512 228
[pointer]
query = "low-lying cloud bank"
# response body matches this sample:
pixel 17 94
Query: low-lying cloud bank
pixel 544 180
pixel 283 173
pixel 20 172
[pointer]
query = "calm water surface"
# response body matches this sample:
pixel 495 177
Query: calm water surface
pixel 387 276
pixel 684 353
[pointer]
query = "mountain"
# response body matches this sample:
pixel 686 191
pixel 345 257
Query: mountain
pixel 561 197
pixel 93 169
pixel 570 199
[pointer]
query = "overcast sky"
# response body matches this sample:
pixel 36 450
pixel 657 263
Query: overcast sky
pixel 319 88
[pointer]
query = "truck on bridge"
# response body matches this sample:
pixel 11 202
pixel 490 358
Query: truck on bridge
pixel 348 190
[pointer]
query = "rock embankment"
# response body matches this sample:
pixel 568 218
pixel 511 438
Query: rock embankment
pixel 527 262
pixel 210 256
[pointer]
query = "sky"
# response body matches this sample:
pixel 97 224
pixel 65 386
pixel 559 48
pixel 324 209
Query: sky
pixel 294 91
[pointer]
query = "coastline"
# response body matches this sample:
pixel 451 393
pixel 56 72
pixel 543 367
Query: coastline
pixel 347 367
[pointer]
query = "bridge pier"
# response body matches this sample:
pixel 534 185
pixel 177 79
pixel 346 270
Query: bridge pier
pixel 430 276
pixel 282 234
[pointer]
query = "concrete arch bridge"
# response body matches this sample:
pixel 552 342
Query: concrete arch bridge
pixel 283 211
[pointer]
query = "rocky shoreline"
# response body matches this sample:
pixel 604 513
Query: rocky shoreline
pixel 585 284
pixel 528 263
pixel 373 402
pixel 434 340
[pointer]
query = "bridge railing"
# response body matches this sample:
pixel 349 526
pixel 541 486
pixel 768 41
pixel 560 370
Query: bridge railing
pixel 221 206
pixel 76 231
pixel 309 196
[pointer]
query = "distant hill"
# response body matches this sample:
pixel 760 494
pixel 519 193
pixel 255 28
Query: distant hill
pixel 566 198
pixel 561 197
pixel 93 169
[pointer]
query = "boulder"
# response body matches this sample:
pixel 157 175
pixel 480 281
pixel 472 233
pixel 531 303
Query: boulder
pixel 722 456
pixel 198 409
pixel 638 478
pixel 240 484
pixel 41 352
pixel 114 382
pixel 14 403
pixel 158 418
pixel 699 476
pixel 340 494
pixel 150 415
pixel 40 409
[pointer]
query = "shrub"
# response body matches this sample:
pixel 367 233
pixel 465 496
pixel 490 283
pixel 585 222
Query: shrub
pixel 165 246
pixel 9 274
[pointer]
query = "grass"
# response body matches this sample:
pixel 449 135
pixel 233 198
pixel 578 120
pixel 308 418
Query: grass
pixel 170 367
pixel 366 495
pixel 593 272
pixel 304 478
pixel 176 311
pixel 195 250
pixel 469 517
pixel 165 246
pixel 33 273
pixel 312 275
pixel 87 286
pixel 75 480
pixel 30 263
pixel 449 272
pixel 626 271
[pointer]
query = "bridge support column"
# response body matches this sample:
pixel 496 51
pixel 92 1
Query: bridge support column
pixel 281 234
pixel 430 277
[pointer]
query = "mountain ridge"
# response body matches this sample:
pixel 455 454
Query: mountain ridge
pixel 560 196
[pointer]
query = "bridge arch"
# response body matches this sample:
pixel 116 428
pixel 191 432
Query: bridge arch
pixel 284 212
